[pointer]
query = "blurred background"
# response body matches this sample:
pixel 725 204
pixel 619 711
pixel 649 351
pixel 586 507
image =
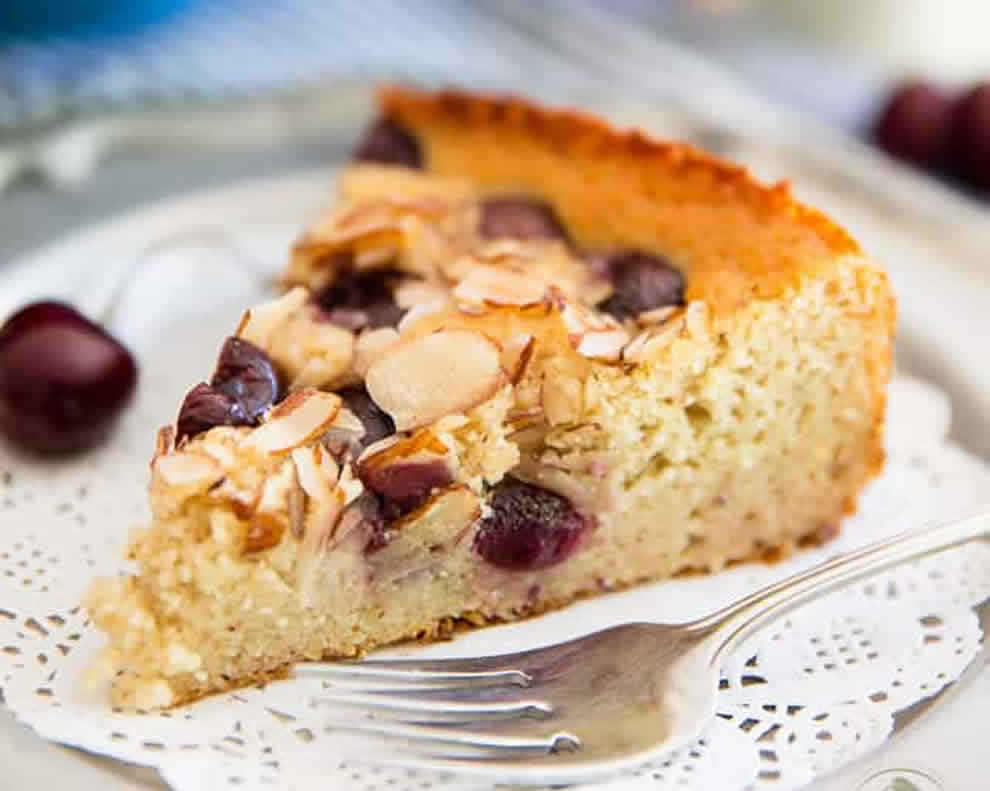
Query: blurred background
pixel 130 100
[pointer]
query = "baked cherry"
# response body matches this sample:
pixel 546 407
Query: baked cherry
pixel 405 487
pixel 641 282
pixel 244 385
pixel 389 143
pixel 377 423
pixel 519 218
pixel 357 300
pixel 246 374
pixel 529 527
pixel 63 379
pixel 914 125
pixel 970 136
pixel 204 407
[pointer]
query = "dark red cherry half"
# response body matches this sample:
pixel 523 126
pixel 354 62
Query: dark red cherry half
pixel 63 379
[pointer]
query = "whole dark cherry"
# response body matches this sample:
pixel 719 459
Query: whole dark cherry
pixel 389 143
pixel 914 125
pixel 63 379
pixel 356 300
pixel 641 282
pixel 519 218
pixel 529 527
pixel 970 136
pixel 244 385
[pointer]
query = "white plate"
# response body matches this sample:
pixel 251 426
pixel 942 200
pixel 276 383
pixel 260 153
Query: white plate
pixel 262 218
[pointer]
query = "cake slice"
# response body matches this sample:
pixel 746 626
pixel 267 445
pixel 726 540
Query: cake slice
pixel 523 358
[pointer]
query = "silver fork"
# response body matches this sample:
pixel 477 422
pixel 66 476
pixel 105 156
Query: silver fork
pixel 590 706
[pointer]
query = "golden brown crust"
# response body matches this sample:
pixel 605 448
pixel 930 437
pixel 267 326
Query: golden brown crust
pixel 736 238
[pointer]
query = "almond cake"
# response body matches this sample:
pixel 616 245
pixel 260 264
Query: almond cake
pixel 523 358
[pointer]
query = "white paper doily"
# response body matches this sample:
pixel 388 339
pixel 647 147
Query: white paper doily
pixel 801 699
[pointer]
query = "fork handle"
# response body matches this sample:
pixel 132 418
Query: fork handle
pixel 730 626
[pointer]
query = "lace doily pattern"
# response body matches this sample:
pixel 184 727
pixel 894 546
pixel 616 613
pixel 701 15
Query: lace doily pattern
pixel 804 697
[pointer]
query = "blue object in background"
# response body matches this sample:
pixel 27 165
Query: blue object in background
pixel 41 19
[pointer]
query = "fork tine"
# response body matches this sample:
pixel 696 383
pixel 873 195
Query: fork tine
pixel 492 743
pixel 455 673
pixel 437 710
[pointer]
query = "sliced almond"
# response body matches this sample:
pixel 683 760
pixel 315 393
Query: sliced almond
pixel 410 293
pixel 657 315
pixel 310 352
pixel 602 344
pixel 258 323
pixel 483 284
pixel 372 345
pixel 517 353
pixel 164 440
pixel 185 468
pixel 275 489
pixel 316 470
pixel 646 344
pixel 562 398
pixel 303 416
pixel 422 445
pixel 417 312
pixel 442 373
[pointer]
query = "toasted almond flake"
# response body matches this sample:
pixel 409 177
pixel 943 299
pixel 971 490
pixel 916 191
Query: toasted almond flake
pixel 376 257
pixel 164 440
pixel 304 415
pixel 275 489
pixel 215 448
pixel 377 447
pixel 186 468
pixel 634 348
pixel 348 421
pixel 651 339
pixel 562 398
pixel 370 346
pixel 602 344
pixel 484 284
pixel 501 248
pixel 423 445
pixel 297 510
pixel 316 471
pixel 442 373
pixel 418 312
pixel 349 484
pixel 517 353
pixel 450 423
pixel 261 321
pixel 657 315
pixel 410 293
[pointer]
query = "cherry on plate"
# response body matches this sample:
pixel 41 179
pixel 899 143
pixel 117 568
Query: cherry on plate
pixel 63 379
pixel 970 136
pixel 914 125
